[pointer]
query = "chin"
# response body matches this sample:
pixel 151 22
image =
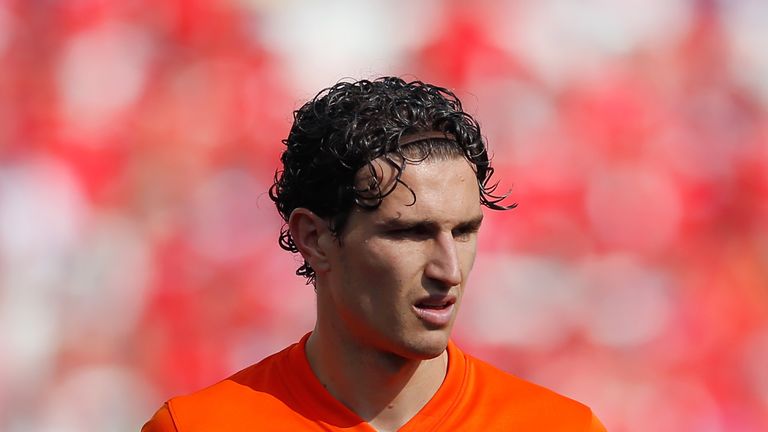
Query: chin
pixel 428 347
pixel 428 355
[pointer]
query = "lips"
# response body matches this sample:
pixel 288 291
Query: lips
pixel 436 302
pixel 435 310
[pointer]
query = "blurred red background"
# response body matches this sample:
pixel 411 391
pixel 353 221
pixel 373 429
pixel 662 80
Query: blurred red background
pixel 138 248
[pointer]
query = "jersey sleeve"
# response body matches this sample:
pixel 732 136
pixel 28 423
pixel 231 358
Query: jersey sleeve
pixel 594 426
pixel 162 421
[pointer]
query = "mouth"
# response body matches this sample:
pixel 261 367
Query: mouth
pixel 436 310
pixel 436 302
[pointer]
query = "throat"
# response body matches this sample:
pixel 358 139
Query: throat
pixel 405 399
pixel 384 390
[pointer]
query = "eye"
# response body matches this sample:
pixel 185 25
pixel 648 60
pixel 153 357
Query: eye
pixel 417 232
pixel 464 233
pixel 398 232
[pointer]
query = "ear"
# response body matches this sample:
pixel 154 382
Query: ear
pixel 309 232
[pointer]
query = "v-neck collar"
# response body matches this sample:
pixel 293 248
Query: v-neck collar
pixel 306 389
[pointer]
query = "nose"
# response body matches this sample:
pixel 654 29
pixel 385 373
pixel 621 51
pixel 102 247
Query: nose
pixel 443 263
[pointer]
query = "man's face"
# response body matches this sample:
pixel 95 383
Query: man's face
pixel 396 280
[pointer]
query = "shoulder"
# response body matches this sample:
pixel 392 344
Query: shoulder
pixel 523 404
pixel 498 382
pixel 162 421
pixel 239 402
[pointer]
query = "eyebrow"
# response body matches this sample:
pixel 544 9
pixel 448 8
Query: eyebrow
pixel 399 223
pixel 471 225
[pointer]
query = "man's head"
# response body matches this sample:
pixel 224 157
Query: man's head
pixel 342 133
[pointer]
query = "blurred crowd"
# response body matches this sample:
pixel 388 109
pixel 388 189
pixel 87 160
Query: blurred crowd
pixel 138 247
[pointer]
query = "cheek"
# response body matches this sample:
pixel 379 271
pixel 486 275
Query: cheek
pixel 389 262
pixel 467 252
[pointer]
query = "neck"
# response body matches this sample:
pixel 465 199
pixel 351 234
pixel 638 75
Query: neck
pixel 382 388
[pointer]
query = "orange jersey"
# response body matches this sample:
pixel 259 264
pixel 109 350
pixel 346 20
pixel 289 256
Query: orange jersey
pixel 281 393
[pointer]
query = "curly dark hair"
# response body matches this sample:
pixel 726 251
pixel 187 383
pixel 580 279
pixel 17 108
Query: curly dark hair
pixel 346 126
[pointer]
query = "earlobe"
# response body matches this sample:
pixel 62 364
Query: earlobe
pixel 307 230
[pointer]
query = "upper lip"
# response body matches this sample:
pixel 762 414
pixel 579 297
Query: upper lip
pixel 437 300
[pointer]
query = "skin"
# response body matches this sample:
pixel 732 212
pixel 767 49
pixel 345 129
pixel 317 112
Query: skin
pixel 370 347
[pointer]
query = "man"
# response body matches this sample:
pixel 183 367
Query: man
pixel 381 190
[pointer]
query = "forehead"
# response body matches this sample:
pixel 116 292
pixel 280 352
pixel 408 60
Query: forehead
pixel 441 189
